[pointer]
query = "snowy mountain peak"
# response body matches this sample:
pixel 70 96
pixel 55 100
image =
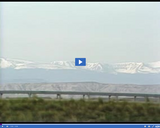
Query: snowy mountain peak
pixel 4 63
pixel 94 66
pixel 63 63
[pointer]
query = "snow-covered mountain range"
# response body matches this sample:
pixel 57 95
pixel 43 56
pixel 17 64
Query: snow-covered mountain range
pixel 21 71
pixel 128 67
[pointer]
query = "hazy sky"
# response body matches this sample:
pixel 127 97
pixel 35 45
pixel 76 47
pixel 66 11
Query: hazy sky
pixel 99 31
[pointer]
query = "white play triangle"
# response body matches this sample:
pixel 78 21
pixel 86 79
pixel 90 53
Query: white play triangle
pixel 80 61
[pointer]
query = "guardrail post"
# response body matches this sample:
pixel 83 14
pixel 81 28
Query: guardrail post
pixel 1 95
pixel 146 98
pixel 135 98
pixel 59 96
pixel 83 96
pixel 109 97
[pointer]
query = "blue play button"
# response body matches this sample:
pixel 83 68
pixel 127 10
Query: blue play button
pixel 80 61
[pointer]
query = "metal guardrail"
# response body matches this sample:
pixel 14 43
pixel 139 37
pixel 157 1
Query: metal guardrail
pixel 79 93
pixel 59 93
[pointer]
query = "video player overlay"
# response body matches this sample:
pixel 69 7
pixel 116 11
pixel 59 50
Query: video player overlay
pixel 81 125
